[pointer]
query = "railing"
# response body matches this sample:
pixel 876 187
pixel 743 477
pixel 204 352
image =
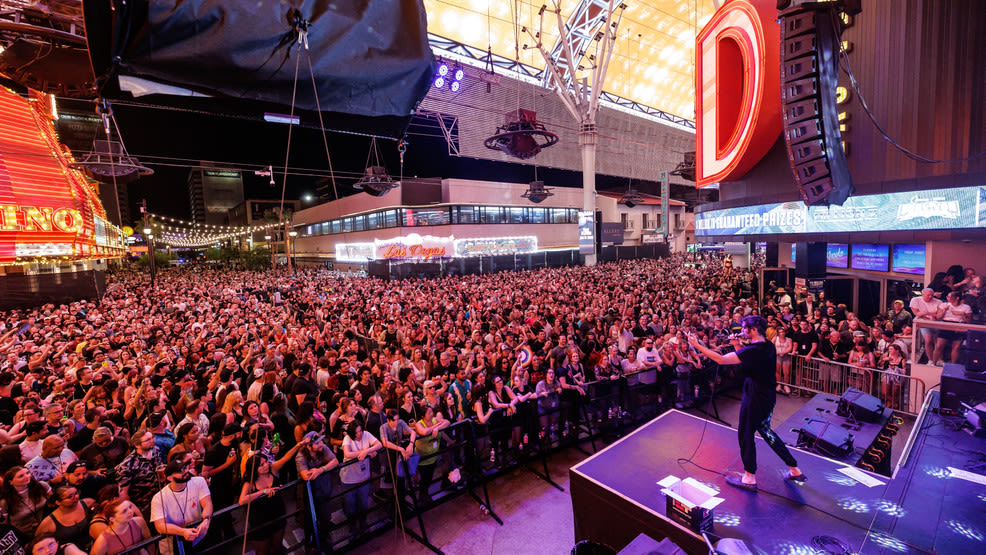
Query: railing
pixel 477 452
pixel 900 392
pixel 935 327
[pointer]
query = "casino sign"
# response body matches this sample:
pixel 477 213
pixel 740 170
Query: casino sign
pixel 48 211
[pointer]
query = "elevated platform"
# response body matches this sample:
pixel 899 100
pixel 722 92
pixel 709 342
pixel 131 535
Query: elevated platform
pixel 615 496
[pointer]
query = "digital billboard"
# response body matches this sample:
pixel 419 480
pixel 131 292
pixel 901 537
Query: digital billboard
pixel 957 208
pixel 837 255
pixel 870 257
pixel 908 259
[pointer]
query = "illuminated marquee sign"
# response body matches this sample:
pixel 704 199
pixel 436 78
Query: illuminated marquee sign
pixel 34 219
pixel 47 209
pixel 428 248
pixel 957 208
pixel 737 77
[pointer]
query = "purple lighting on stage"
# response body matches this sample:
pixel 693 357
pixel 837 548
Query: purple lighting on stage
pixel 965 530
pixel 439 82
pixel 889 542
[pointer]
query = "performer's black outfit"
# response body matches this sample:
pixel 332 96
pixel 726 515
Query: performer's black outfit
pixel 758 362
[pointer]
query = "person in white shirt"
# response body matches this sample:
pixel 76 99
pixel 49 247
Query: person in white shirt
pixel 952 311
pixel 183 508
pixel 925 307
pixel 49 466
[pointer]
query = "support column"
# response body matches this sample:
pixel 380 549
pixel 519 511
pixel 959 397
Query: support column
pixel 588 136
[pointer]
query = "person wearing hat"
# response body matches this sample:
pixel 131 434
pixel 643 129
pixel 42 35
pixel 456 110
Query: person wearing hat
pixel 783 299
pixel 757 361
pixel 78 476
pixel 183 508
pixel 105 451
pixel 898 317
pixel 315 461
pixel 925 307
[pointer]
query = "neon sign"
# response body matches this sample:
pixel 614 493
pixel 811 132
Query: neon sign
pixel 737 76
pixel 35 219
pixel 428 248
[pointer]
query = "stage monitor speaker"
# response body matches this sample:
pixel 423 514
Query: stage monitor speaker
pixel 975 362
pixel 975 341
pixel 959 386
pixel 859 405
pixel 828 438
pixel 810 45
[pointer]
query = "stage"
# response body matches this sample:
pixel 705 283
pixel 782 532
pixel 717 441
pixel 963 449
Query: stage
pixel 615 495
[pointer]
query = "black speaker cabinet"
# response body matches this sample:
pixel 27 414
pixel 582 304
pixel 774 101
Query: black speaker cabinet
pixel 975 341
pixel 959 386
pixel 826 438
pixel 810 46
pixel 859 405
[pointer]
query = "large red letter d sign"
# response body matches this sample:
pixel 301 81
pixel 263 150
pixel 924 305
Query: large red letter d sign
pixel 737 82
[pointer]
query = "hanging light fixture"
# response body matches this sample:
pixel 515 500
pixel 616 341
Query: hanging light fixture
pixel 521 136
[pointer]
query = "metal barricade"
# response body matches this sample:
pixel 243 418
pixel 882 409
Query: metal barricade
pixel 900 392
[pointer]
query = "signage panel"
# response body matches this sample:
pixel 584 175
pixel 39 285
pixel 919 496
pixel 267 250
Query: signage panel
pixel 613 233
pixel 416 247
pixel 908 259
pixel 957 208
pixel 587 233
pixel 837 255
pixel 870 257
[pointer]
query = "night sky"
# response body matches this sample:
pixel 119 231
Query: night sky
pixel 170 141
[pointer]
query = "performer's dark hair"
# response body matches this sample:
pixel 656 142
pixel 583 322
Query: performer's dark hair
pixel 755 321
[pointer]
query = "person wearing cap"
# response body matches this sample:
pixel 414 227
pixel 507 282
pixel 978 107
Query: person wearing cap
pixel 315 461
pixel 757 361
pixel 898 317
pixel 183 508
pixel 78 476
pixel 105 452
pixel 926 307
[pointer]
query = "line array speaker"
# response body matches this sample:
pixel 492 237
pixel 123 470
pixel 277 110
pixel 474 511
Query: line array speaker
pixel 809 74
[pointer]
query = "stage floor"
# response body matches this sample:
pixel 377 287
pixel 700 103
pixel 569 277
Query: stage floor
pixel 615 496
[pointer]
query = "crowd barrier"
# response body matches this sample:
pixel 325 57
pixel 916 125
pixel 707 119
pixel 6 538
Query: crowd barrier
pixel 901 392
pixel 470 454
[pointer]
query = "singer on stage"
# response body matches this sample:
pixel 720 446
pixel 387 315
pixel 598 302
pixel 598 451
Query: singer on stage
pixel 758 361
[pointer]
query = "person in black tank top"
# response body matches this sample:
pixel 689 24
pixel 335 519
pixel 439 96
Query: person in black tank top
pixel 757 363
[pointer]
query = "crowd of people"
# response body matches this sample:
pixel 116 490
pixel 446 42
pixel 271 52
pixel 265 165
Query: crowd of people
pixel 153 409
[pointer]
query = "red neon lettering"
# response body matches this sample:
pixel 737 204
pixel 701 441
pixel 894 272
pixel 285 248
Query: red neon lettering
pixel 737 77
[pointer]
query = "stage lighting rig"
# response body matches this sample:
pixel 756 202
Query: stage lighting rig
pixel 521 136
pixel 376 181
pixel 537 192
pixel 631 198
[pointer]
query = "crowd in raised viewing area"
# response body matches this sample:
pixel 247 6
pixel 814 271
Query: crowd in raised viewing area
pixel 147 412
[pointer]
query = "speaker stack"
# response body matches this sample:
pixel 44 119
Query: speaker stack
pixel 975 344
pixel 810 46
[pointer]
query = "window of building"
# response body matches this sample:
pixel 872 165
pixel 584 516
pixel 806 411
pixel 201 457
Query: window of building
pixel 536 215
pixel 517 215
pixel 467 215
pixel 389 218
pixel 625 218
pixel 677 221
pixel 643 221
pixel 492 215
pixel 373 220
pixel 419 217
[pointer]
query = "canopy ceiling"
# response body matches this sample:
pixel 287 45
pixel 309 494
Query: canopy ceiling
pixel 653 61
